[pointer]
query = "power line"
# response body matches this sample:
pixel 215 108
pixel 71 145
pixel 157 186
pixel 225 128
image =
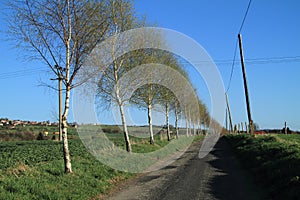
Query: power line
pixel 232 66
pixel 241 27
pixel 250 61
pixel 245 16
pixel 19 73
pixel 258 61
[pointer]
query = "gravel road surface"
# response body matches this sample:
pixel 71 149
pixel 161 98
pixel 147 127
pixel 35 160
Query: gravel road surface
pixel 218 176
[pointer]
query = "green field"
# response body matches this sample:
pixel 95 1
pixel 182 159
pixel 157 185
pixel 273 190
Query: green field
pixel 274 161
pixel 21 133
pixel 290 137
pixel 35 169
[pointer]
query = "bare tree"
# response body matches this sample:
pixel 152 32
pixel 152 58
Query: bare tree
pixel 177 111
pixel 61 34
pixel 146 96
pixel 167 99
pixel 109 91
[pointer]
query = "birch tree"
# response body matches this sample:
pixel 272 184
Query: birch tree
pixel 122 19
pixel 146 96
pixel 61 34
pixel 167 99
pixel 177 111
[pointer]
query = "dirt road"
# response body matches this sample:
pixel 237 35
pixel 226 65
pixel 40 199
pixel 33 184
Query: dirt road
pixel 217 176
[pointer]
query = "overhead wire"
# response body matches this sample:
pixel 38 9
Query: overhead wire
pixel 232 66
pixel 235 50
pixel 231 62
pixel 245 16
pixel 19 73
pixel 249 61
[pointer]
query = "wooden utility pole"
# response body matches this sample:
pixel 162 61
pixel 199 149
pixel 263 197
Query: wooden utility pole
pixel 60 78
pixel 60 106
pixel 228 108
pixel 285 128
pixel 226 120
pixel 245 85
pixel 242 127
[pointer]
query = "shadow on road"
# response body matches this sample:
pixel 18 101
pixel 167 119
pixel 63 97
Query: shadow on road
pixel 230 180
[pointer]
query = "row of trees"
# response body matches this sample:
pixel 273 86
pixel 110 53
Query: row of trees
pixel 150 90
pixel 63 34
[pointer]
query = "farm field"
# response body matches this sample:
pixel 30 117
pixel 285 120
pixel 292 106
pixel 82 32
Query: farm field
pixel 20 133
pixel 274 161
pixel 35 169
pixel 290 137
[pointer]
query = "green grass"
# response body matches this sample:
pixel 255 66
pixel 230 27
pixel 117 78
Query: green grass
pixel 35 169
pixel 290 137
pixel 273 160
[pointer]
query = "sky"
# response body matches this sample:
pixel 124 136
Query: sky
pixel 271 46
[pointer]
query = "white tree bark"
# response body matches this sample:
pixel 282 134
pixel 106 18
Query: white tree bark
pixel 167 122
pixel 150 124
pixel 187 127
pixel 176 121
pixel 66 152
pixel 125 131
pixel 121 108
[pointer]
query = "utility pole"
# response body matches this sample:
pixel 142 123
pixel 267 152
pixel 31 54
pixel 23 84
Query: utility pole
pixel 285 128
pixel 228 108
pixel 245 85
pixel 226 120
pixel 60 106
pixel 60 78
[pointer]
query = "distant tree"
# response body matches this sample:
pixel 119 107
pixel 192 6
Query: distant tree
pixel 177 111
pixel 146 97
pixel 149 94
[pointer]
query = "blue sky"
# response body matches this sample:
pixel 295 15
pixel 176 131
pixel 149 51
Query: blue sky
pixel 271 32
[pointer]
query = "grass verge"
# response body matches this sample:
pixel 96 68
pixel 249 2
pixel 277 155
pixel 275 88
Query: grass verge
pixel 273 160
pixel 34 169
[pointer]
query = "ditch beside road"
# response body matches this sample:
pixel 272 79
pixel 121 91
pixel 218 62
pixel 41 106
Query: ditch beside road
pixel 218 176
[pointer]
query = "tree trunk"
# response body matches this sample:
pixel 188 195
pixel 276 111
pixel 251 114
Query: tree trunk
pixel 167 122
pixel 67 158
pixel 66 152
pixel 189 123
pixel 120 104
pixel 176 121
pixel 187 127
pixel 198 127
pixel 194 129
pixel 125 131
pixel 150 124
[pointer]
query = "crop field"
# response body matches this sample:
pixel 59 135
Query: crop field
pixel 20 133
pixel 290 137
pixel 35 169
pixel 274 161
